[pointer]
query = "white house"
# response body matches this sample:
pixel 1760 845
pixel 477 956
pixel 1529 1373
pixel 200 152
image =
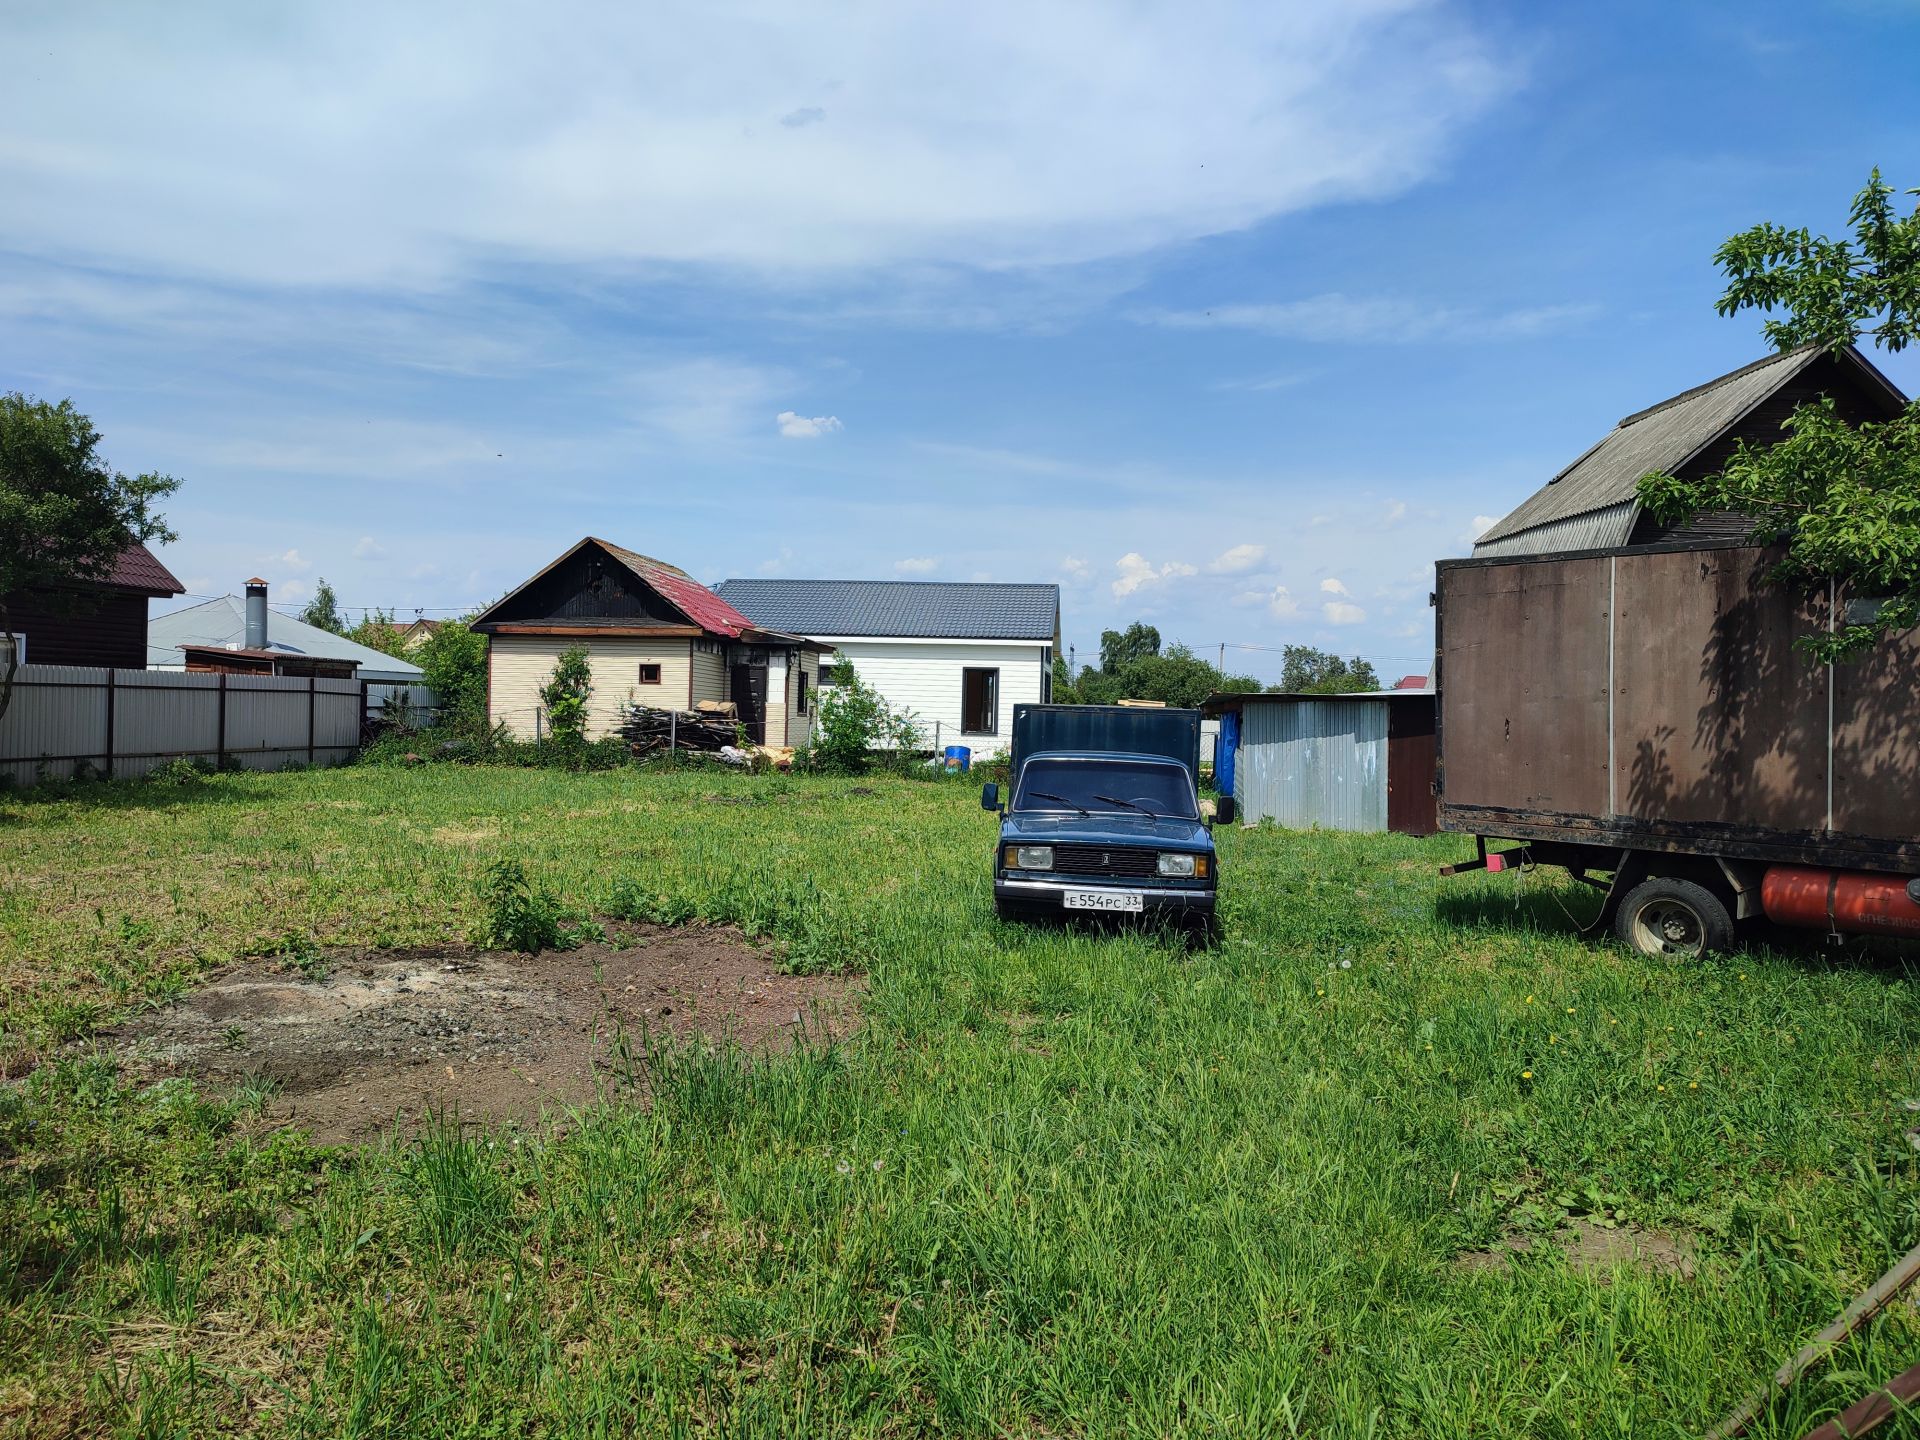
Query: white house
pixel 960 657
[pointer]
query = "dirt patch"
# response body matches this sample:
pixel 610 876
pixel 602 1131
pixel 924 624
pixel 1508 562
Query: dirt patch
pixel 383 1037
pixel 1596 1249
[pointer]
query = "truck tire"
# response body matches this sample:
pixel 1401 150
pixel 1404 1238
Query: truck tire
pixel 1673 919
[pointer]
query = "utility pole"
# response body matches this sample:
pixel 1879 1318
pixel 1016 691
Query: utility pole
pixel 1223 657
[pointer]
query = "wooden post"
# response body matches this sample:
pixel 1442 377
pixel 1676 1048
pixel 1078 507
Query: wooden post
pixel 112 674
pixel 220 736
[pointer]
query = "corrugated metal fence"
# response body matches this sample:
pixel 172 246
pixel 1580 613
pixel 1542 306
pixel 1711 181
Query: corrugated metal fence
pixel 125 722
pixel 1303 763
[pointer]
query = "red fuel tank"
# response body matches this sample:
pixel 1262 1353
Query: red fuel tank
pixel 1856 902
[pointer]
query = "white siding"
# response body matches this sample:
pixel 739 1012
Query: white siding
pixel 710 681
pixel 521 664
pixel 924 676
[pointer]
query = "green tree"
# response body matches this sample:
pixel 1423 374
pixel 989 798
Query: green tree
pixel 854 720
pixel 1179 678
pixel 454 661
pixel 323 610
pixel 566 693
pixel 1120 648
pixel 377 631
pixel 65 514
pixel 1307 671
pixel 1065 692
pixel 1844 501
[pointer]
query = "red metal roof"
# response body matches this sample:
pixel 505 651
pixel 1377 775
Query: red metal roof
pixel 1411 682
pixel 683 592
pixel 138 569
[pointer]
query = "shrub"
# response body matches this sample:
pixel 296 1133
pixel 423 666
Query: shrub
pixel 181 770
pixel 565 695
pixel 527 917
pixel 853 720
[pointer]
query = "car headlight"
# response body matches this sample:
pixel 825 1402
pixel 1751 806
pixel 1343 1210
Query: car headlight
pixel 1179 867
pixel 1030 857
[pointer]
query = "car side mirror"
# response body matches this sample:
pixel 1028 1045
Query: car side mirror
pixel 1224 809
pixel 990 796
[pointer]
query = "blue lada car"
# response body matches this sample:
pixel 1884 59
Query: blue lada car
pixel 1102 817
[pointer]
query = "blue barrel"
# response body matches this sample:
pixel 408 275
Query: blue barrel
pixel 959 757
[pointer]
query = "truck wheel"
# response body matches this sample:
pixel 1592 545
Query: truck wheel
pixel 1674 918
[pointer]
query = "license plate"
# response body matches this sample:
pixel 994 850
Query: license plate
pixel 1126 901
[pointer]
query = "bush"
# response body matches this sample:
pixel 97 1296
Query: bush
pixel 853 720
pixel 527 917
pixel 565 695
pixel 181 770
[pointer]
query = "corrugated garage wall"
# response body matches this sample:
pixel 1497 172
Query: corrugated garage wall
pixel 1304 763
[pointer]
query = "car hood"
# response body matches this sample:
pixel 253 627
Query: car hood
pixel 1105 829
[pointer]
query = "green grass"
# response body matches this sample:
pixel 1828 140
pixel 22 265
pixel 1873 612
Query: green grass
pixel 1060 1183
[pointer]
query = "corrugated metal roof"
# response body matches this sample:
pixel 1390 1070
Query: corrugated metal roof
pixel 913 609
pixel 1601 529
pixel 1658 438
pixel 699 604
pixel 222 623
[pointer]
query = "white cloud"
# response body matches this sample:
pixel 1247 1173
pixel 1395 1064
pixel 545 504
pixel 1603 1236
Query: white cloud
pixel 1074 567
pixel 806 427
pixel 292 560
pixel 1339 612
pixel 1262 383
pixel 292 593
pixel 1237 561
pixel 1138 573
pixel 1396 511
pixel 1331 586
pixel 1360 319
pixel 916 565
pixel 1281 604
pixel 368 548
pixel 1481 524
pixel 346 146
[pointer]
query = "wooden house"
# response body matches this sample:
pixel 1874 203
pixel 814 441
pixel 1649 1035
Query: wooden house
pixel 91 624
pixel 654 636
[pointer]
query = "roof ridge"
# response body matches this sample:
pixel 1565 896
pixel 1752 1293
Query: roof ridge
pixel 946 584
pixel 1804 354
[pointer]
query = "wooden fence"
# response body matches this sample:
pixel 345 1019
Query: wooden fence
pixel 125 722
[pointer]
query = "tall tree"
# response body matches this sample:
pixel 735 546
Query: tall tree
pixel 1307 671
pixel 1120 648
pixel 65 514
pixel 1844 501
pixel 323 610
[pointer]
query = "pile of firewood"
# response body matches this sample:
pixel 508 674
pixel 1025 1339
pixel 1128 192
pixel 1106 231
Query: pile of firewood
pixel 646 730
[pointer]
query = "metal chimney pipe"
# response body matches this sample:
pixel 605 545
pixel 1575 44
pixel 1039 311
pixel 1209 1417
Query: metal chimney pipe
pixel 256 614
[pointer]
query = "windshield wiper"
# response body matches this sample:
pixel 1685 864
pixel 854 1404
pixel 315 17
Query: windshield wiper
pixel 1049 795
pixel 1116 800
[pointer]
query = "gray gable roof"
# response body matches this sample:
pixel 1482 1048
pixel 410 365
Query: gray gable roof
pixel 910 608
pixel 1659 438
pixel 1597 495
pixel 222 622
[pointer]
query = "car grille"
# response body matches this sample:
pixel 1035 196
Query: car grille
pixel 1104 860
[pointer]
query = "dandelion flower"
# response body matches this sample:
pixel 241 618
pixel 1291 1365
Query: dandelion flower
pixel 1319 992
pixel 1553 1039
pixel 844 1168
pixel 1526 1074
pixel 1569 1009
pixel 1527 1001
pixel 1743 974
pixel 1699 1032
pixel 1659 1087
pixel 1693 1084
pixel 1429 1044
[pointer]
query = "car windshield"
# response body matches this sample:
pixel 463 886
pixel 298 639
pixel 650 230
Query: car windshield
pixel 1106 786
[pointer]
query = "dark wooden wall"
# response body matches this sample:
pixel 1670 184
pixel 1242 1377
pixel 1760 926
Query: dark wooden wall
pixel 589 587
pixel 1412 807
pixel 112 633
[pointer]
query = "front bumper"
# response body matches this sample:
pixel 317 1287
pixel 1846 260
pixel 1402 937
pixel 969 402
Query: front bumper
pixel 1047 898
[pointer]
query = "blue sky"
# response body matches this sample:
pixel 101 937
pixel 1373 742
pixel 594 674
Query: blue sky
pixel 1232 318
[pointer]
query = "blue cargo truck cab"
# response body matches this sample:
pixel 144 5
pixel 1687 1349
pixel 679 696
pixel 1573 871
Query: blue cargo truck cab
pixel 1102 817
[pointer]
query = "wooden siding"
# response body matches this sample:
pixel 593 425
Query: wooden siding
pixel 113 634
pixel 709 672
pixel 520 665
pixel 587 587
pixel 924 677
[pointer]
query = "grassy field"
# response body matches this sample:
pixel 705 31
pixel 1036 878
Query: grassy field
pixel 1059 1183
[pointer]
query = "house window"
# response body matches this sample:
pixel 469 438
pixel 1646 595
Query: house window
pixel 979 702
pixel 10 642
pixel 802 706
pixel 650 674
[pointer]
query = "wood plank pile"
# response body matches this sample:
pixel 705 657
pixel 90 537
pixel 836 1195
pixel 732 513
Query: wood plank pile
pixel 646 730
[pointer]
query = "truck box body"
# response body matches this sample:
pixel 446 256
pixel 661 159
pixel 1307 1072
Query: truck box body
pixel 1651 698
pixel 1112 728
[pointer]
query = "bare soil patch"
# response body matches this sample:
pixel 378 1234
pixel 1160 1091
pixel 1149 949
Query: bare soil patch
pixel 385 1036
pixel 1596 1249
